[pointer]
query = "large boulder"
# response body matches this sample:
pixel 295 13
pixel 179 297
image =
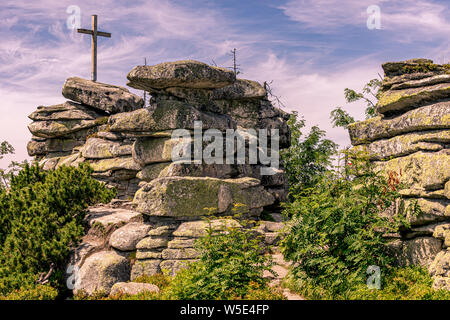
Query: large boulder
pixel 101 270
pixel 419 251
pixel 152 150
pixel 187 74
pixel 190 196
pixel 66 111
pixel 167 115
pixel 106 97
pixel 59 128
pixel 406 144
pixel 405 99
pixel 440 270
pixel 35 147
pixel 126 237
pixel 433 116
pixel 96 148
pixel 420 170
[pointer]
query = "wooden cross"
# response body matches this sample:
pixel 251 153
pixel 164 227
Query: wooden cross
pixel 94 33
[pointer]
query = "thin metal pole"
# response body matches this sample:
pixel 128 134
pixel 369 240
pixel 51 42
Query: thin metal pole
pixel 94 48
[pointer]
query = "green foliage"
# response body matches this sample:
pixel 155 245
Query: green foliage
pixel 41 216
pixel 369 94
pixel 38 292
pixel 408 283
pixel 306 160
pixel 336 230
pixel 230 265
pixel 13 167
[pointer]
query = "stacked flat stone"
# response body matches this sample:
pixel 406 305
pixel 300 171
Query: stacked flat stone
pixel 411 136
pixel 66 134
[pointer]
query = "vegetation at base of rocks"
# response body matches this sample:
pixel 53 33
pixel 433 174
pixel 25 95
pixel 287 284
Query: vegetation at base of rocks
pixel 230 266
pixel 33 292
pixel 370 95
pixel 407 283
pixel 336 230
pixel 41 215
pixel 307 159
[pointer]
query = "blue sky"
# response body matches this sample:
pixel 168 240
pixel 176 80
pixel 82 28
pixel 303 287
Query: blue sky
pixel 310 49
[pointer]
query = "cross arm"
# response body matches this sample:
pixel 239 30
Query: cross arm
pixel 104 34
pixel 87 31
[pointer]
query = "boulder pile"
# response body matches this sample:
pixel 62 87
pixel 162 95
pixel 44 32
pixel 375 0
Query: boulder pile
pixel 411 136
pixel 131 148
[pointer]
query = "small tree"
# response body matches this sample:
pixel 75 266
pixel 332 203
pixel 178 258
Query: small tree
pixel 369 94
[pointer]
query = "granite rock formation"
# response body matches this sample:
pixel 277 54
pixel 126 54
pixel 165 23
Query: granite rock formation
pixel 411 136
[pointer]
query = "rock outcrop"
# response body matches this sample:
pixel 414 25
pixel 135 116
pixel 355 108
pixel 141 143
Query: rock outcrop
pixel 411 136
pixel 132 148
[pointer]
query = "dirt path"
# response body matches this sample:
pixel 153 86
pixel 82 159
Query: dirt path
pixel 281 267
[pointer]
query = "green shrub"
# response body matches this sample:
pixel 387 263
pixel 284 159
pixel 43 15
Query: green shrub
pixel 41 216
pixel 336 231
pixel 38 292
pixel 231 264
pixel 409 283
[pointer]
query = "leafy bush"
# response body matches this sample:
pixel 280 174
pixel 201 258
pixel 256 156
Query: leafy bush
pixel 409 283
pixel 306 160
pixel 230 266
pixel 41 216
pixel 336 231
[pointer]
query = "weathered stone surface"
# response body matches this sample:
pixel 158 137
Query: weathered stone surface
pixel 178 169
pixel 168 115
pixel 240 89
pixel 173 266
pixel 189 196
pixel 59 128
pixel 152 171
pixel 110 216
pixel 428 81
pixel 420 65
pixel 187 74
pixel 434 116
pixel 66 111
pixel 152 150
pixel 440 270
pixel 101 270
pixel 419 251
pixel 405 99
pixel 405 144
pixel 96 148
pixel 197 229
pixel 179 243
pixel 132 288
pixel 119 163
pixel 143 254
pixel 35 148
pixel 145 267
pixel 106 97
pixel 152 243
pixel 180 254
pixel 432 210
pixel 161 231
pixel 421 170
pixel 126 237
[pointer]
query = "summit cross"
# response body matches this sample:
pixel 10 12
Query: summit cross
pixel 94 33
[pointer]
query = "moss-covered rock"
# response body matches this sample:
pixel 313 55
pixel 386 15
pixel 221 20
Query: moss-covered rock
pixel 96 148
pixel 197 229
pixel 421 170
pixel 406 144
pixel 180 254
pixel 189 196
pixel 59 128
pixel 152 171
pixel 119 163
pixel 35 148
pixel 434 116
pixel 186 73
pixel 145 267
pixel 152 150
pixel 405 99
pixel 168 115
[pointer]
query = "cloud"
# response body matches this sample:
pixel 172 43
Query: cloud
pixel 328 16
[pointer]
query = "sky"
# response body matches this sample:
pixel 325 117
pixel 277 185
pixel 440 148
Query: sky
pixel 310 50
